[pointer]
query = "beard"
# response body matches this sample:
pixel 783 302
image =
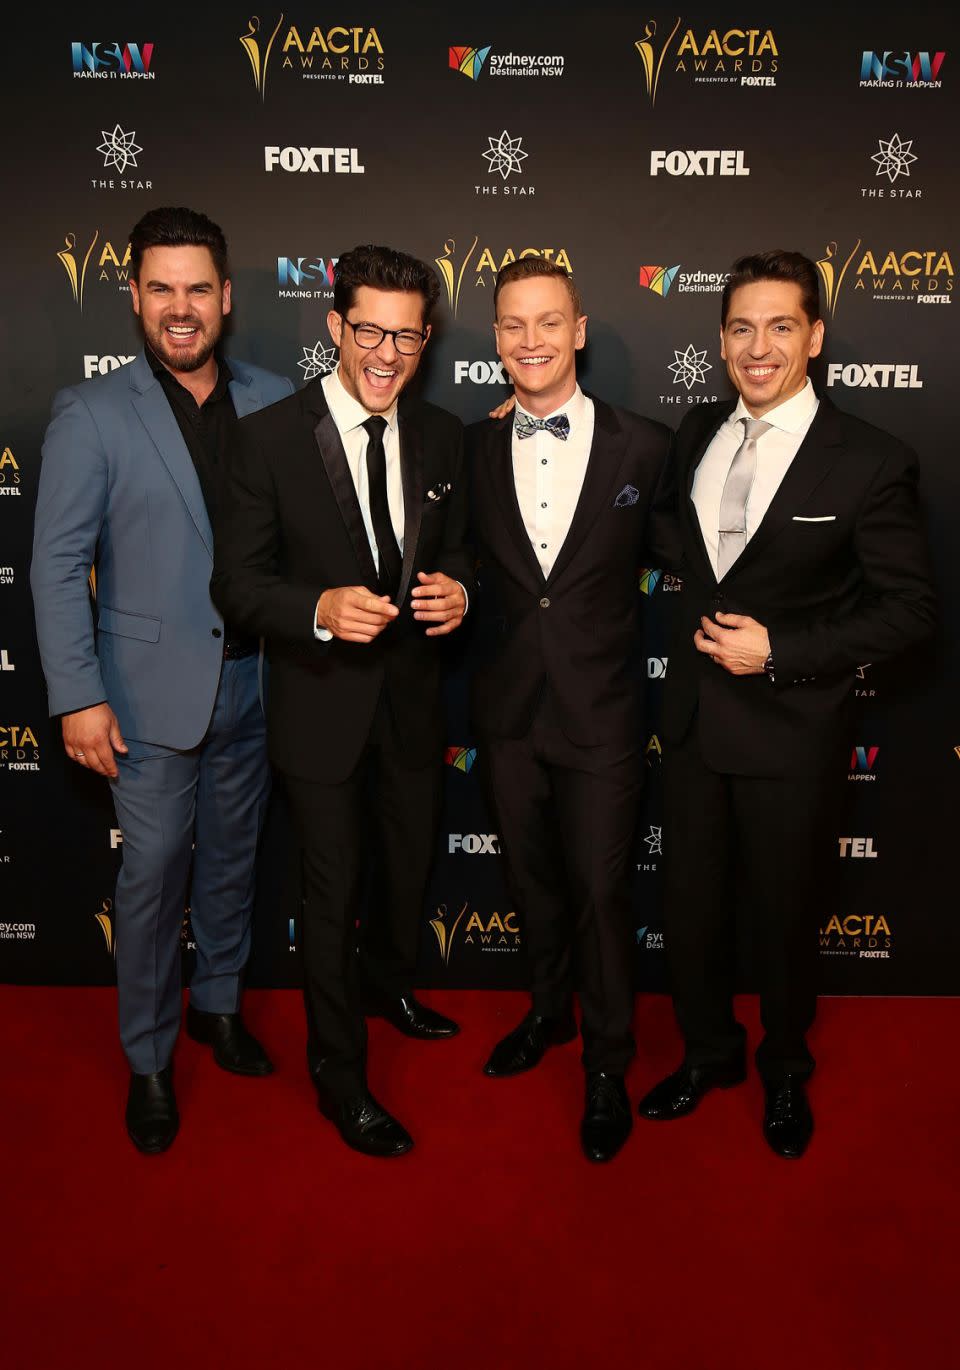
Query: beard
pixel 180 359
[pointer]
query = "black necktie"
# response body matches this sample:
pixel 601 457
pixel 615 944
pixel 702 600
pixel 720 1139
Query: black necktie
pixel 389 552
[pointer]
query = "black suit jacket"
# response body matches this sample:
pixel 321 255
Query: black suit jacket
pixel 576 629
pixel 853 586
pixel 291 527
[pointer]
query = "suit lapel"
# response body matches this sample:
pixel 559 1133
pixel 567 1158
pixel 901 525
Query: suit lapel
pixel 244 392
pixel 163 431
pixel 601 476
pixel 411 475
pixel 815 456
pixel 500 469
pixel 327 437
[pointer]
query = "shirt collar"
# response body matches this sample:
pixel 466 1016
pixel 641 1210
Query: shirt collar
pixel 163 373
pixel 573 408
pixel 791 416
pixel 348 413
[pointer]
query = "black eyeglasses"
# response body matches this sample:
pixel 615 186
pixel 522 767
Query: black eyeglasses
pixel 406 340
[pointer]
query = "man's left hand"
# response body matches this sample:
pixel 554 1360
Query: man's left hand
pixel 438 600
pixel 736 642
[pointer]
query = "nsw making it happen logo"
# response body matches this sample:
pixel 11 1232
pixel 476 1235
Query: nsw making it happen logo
pixel 901 70
pixel 112 61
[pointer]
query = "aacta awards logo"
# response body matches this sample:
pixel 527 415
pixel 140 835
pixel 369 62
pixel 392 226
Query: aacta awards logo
pixel 712 57
pixel 112 61
pixel 457 268
pixel 105 919
pixel 495 932
pixel 9 473
pixel 19 749
pixel 925 275
pixel 864 935
pixel 350 54
pixel 83 264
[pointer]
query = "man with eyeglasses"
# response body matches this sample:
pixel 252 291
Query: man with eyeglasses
pixel 342 541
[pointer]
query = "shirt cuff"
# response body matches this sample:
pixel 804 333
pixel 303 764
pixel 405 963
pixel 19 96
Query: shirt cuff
pixel 466 598
pixel 321 634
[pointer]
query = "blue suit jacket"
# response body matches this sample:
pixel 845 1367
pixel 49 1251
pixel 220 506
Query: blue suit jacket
pixel 119 491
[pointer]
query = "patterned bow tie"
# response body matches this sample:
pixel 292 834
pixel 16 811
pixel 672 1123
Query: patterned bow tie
pixel 524 426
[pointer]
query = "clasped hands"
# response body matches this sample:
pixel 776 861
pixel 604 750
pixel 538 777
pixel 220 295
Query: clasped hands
pixel 353 614
pixel 736 642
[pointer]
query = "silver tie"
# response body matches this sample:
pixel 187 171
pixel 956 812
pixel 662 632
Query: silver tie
pixel 736 492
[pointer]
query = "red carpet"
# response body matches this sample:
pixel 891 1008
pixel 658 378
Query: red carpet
pixel 259 1239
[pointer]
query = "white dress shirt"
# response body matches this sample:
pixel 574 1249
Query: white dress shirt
pixel 349 416
pixel 776 449
pixel 548 474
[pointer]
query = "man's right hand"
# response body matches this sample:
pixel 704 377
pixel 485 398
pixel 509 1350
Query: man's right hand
pixel 353 614
pixel 91 736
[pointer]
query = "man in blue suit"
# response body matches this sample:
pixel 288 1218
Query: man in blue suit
pixel 157 693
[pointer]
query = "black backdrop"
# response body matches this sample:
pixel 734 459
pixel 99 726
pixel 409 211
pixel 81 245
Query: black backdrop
pixel 643 149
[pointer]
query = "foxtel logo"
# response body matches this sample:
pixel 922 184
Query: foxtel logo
pixel 728 162
pixel 99 366
pixel 874 375
pixel 322 159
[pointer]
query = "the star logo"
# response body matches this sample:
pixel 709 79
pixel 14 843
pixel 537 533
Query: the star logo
pixel 654 841
pixel 505 155
pixel 318 360
pixel 690 367
pixel 894 157
pixel 119 149
pixel 862 670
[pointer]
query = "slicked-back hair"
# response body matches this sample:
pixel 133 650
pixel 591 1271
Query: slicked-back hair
pixel 527 268
pixel 775 266
pixel 178 227
pixel 383 268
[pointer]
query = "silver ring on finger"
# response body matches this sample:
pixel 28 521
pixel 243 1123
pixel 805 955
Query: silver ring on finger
pixel 78 754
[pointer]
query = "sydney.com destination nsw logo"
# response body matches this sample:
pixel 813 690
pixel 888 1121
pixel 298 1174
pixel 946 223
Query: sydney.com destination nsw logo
pixel 473 62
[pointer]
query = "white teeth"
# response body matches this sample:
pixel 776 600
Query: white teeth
pixel 180 331
pixel 376 371
pixel 760 371
pixel 534 361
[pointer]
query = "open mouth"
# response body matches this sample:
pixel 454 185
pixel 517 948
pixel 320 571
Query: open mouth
pixel 759 373
pixel 380 377
pixel 181 332
pixel 534 361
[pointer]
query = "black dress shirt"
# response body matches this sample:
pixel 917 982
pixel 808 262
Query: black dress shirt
pixel 209 430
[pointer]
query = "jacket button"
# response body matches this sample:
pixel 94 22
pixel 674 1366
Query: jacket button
pixel 545 603
pixel 216 632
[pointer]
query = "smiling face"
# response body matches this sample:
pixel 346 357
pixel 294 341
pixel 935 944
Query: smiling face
pixel 181 303
pixel 375 376
pixel 538 336
pixel 767 341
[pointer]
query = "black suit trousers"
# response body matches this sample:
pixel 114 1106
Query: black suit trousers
pixel 566 816
pixel 383 815
pixel 749 847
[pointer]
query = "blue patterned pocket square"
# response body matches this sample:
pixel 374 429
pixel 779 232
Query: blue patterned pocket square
pixel 627 496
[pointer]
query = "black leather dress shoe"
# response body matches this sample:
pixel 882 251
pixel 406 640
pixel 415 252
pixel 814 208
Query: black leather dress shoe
pixel 365 1125
pixel 414 1019
pixel 607 1117
pixel 681 1092
pixel 788 1122
pixel 152 1117
pixel 234 1048
pixel 524 1047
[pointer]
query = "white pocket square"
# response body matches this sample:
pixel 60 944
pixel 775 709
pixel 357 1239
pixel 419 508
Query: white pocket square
pixel 818 518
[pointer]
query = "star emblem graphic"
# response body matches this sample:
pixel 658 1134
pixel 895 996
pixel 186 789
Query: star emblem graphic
pixel 690 367
pixel 655 841
pixel 505 155
pixel 318 360
pixel 119 149
pixel 862 670
pixel 894 157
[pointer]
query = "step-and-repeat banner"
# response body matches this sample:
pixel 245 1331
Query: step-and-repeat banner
pixel 643 149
